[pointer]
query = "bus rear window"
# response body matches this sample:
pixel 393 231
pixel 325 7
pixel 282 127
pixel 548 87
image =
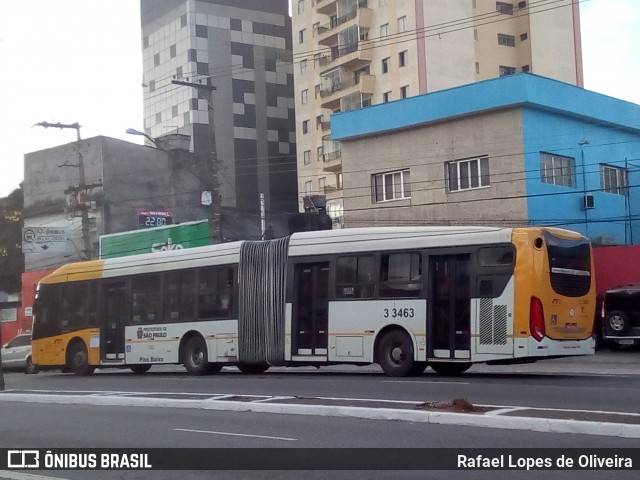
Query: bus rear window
pixel 569 266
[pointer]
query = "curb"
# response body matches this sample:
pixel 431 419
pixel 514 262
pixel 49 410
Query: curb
pixel 544 425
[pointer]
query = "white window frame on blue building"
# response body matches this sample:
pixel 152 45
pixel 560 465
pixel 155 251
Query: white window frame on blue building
pixel 467 174
pixel 613 179
pixel 390 186
pixel 557 169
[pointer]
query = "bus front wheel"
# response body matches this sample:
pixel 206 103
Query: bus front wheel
pixel 79 360
pixel 395 354
pixel 195 357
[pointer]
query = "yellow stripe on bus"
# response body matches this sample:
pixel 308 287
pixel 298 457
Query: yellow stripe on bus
pixel 73 272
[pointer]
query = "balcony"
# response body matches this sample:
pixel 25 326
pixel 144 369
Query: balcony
pixel 332 161
pixel 331 94
pixel 350 57
pixel 359 18
pixel 326 7
pixel 332 192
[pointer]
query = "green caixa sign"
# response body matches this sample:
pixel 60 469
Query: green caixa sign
pixel 158 239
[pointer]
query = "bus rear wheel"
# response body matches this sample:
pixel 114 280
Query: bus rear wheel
pixel 140 369
pixel 195 357
pixel 79 360
pixel 395 354
pixel 253 368
pixel 450 368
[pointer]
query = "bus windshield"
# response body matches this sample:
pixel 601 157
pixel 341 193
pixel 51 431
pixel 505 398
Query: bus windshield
pixel 569 265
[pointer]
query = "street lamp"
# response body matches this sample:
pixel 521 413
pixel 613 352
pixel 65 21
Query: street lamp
pixel 133 131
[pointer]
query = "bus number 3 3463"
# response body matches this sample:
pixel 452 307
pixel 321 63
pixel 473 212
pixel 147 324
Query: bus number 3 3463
pixel 398 313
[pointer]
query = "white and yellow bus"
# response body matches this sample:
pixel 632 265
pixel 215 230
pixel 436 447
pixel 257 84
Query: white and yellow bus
pixel 405 298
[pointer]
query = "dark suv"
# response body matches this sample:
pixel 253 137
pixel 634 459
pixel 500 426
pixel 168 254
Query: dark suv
pixel 621 316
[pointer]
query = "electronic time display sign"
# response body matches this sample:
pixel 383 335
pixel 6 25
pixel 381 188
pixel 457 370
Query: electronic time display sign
pixel 153 218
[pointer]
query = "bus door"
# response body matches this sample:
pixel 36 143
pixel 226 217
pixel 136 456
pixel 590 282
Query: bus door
pixel 114 317
pixel 449 322
pixel 310 320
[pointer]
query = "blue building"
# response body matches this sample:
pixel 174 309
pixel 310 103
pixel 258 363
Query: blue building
pixel 515 150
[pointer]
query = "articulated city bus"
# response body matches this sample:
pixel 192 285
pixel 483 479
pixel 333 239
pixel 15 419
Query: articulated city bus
pixel 403 297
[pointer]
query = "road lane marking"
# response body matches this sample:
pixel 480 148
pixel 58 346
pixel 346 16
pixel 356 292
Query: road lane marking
pixel 236 434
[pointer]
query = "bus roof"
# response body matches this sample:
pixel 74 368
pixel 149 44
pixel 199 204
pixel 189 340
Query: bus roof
pixel 319 242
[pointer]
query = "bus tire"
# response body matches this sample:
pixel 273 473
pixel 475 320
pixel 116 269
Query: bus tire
pixel 450 368
pixel 140 368
pixel 253 368
pixel 79 360
pixel 395 353
pixel 617 321
pixel 195 357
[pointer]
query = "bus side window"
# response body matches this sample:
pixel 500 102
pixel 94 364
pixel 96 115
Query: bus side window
pixel 496 256
pixel 400 275
pixel 74 314
pixel 49 304
pixel 145 298
pixel 215 292
pixel 355 276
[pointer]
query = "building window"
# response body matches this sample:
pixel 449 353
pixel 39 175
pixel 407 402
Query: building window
pixel 172 51
pixel 385 97
pixel 478 67
pixel 522 4
pixel 304 96
pixel 303 66
pixel 320 152
pixel 145 41
pixel 503 7
pixel 301 35
pixel 557 169
pixel 475 34
pixel 152 86
pixel 524 36
pixel 307 157
pixel 402 24
pixel 384 30
pixel 402 58
pixel 503 70
pixel 385 65
pixel 391 186
pixel 525 68
pixel 322 182
pixel 404 91
pixel 156 60
pixel 614 179
pixel 300 7
pixel 202 31
pixel 183 20
pixel 174 111
pixel 305 127
pixel 506 40
pixel 308 187
pixel 158 118
pixel 467 174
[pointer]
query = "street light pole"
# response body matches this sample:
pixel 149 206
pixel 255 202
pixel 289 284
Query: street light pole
pixel 82 187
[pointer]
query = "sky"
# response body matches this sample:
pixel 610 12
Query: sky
pixel 80 61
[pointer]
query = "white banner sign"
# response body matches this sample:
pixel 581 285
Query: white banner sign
pixel 44 239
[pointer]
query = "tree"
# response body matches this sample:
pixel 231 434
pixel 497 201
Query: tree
pixel 11 257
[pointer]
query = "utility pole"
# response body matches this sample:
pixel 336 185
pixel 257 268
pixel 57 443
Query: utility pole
pixel 212 165
pixel 82 186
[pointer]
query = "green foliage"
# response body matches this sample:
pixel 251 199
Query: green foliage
pixel 11 257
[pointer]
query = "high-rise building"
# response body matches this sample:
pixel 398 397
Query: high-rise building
pixel 238 53
pixel 350 54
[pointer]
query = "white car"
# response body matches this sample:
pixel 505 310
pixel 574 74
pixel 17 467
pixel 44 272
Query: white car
pixel 16 354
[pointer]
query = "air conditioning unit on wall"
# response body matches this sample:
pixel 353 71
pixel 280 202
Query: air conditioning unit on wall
pixel 587 202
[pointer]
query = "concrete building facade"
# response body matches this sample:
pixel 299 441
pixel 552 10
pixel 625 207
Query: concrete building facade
pixel 242 48
pixel 123 178
pixel 350 54
pixel 517 150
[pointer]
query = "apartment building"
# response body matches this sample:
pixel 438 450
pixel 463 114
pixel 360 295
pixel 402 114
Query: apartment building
pixel 240 113
pixel 350 54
